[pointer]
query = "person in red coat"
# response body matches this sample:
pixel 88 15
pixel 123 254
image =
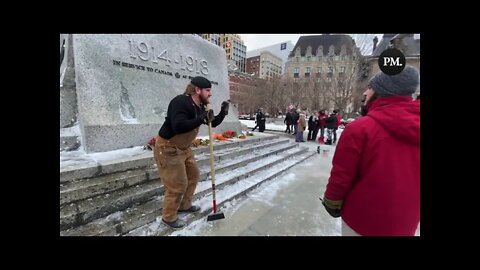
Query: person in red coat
pixel 374 183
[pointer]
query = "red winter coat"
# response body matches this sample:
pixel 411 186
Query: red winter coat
pixel 376 169
pixel 322 120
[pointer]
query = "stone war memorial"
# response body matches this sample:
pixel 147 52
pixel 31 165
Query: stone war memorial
pixel 115 88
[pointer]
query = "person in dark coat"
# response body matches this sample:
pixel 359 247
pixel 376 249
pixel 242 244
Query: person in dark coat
pixel 331 125
pixel 374 183
pixel 260 120
pixel 296 117
pixel 310 127
pixel 288 121
pixel 315 126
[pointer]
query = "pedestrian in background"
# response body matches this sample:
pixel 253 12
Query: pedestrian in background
pixel 288 121
pixel 301 126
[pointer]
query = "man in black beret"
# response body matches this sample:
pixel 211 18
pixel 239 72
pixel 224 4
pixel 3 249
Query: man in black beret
pixel 176 164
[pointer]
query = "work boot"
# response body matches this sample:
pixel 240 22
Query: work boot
pixel 177 224
pixel 192 209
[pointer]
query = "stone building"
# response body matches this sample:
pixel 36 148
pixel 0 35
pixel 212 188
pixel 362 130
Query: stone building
pixel 281 50
pixel 323 69
pixel 235 49
pixel 265 66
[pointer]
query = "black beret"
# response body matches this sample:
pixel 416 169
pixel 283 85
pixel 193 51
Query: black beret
pixel 201 82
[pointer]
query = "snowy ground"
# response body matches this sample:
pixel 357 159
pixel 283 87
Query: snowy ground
pixel 277 125
pixel 285 206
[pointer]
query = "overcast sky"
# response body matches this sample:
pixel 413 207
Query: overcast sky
pixel 256 41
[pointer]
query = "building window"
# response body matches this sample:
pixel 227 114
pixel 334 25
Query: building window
pixel 342 69
pixel 320 51
pixel 331 50
pixel 307 72
pixel 309 51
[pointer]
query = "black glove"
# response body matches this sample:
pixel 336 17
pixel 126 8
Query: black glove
pixel 334 211
pixel 206 116
pixel 224 107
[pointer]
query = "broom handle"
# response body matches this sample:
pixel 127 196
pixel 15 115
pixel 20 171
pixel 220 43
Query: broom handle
pixel 212 167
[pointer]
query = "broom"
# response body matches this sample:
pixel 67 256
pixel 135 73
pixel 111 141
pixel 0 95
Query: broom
pixel 215 215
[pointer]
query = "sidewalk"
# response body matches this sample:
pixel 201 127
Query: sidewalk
pixel 285 206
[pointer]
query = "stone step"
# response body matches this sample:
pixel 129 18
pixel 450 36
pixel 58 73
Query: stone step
pixel 89 169
pixel 123 222
pixel 85 211
pixel 230 153
pixel 224 195
pixel 84 201
pixel 80 190
pixel 86 188
pixel 231 160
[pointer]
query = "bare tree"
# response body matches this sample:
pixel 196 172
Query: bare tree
pixel 274 96
pixel 245 97
pixel 340 87
pixel 342 84
pixel 297 93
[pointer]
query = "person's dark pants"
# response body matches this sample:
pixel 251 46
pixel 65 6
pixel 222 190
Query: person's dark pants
pixel 322 131
pixel 335 135
pixel 261 126
pixel 288 129
pixel 255 127
pixel 314 135
pixel 310 135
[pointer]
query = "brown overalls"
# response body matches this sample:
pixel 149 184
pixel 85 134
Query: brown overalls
pixel 178 171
